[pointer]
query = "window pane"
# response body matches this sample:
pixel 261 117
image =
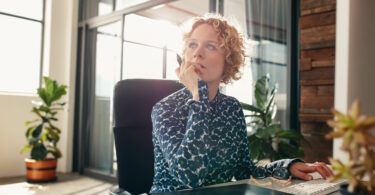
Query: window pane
pixel 121 4
pixel 142 62
pixel 107 73
pixel 108 55
pixel 138 29
pixel 105 7
pixel 19 54
pixel 26 8
pixel 265 24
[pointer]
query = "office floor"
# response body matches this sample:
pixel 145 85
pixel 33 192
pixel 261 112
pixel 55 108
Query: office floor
pixel 67 184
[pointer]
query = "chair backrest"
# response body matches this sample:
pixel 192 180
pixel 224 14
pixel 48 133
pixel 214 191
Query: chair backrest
pixel 133 102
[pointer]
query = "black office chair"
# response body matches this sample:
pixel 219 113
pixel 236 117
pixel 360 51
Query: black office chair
pixel 133 101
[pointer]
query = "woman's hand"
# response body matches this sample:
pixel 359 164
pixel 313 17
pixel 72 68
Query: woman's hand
pixel 301 170
pixel 187 74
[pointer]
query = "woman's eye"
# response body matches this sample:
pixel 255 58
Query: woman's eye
pixel 192 45
pixel 211 47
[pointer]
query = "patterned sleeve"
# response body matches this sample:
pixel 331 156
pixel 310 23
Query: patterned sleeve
pixel 246 166
pixel 186 154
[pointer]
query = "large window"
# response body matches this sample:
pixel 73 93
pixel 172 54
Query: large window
pixel 21 45
pixel 265 26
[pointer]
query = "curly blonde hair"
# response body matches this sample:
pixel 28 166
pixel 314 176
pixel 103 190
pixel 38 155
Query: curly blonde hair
pixel 229 39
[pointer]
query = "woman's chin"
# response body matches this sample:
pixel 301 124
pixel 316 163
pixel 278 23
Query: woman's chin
pixel 202 78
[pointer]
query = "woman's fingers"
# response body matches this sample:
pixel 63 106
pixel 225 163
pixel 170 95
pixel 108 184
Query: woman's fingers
pixel 188 77
pixel 302 175
pixel 321 171
pixel 301 170
pixel 325 167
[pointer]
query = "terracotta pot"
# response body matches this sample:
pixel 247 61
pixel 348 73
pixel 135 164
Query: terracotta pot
pixel 41 171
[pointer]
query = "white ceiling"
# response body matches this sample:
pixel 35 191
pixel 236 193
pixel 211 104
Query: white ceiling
pixel 178 12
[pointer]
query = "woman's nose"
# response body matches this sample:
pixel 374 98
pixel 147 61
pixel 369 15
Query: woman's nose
pixel 198 53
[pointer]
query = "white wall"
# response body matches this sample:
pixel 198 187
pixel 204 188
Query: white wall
pixel 355 58
pixel 15 110
pixel 60 55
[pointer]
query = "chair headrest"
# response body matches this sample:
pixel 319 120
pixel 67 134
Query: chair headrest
pixel 134 99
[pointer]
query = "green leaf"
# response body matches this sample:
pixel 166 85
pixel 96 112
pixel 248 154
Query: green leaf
pixel 54 128
pixel 25 149
pixel 39 152
pixel 55 152
pixel 255 149
pixel 271 103
pixel 57 109
pixel 42 94
pixel 60 104
pixel 267 132
pixel 59 92
pixel 36 111
pixel 259 148
pixel 251 108
pixel 28 131
pixel 37 131
pixel 252 115
pixel 289 134
pixel 44 109
pixel 268 119
pixel 287 150
pixel 33 141
pixel 27 123
pixel 44 136
pixel 261 91
pixel 53 135
pixel 44 119
pixel 293 135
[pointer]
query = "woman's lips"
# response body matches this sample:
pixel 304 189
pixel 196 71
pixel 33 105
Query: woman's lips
pixel 201 65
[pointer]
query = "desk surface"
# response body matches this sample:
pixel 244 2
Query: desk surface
pixel 248 187
pixel 240 189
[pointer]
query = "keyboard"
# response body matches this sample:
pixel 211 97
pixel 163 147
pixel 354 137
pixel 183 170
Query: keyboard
pixel 314 187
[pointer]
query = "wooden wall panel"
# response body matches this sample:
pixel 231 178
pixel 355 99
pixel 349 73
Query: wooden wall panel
pixel 316 20
pixel 317 25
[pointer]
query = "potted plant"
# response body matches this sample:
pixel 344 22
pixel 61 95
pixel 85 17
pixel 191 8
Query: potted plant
pixel 42 136
pixel 269 141
pixel 359 144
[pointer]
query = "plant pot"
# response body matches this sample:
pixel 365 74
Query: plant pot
pixel 40 171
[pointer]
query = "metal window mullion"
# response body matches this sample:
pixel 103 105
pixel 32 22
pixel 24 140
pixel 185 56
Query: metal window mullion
pixel 122 47
pixel 81 160
pixel 164 62
pixel 108 18
pixel 25 18
pixel 42 45
pixel 293 98
pixel 143 44
pixel 220 8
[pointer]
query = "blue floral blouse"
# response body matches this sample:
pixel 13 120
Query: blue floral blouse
pixel 200 143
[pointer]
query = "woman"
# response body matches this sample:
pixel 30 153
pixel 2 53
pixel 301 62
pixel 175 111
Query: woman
pixel 199 134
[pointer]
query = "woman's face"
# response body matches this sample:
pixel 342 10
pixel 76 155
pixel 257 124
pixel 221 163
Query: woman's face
pixel 204 52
